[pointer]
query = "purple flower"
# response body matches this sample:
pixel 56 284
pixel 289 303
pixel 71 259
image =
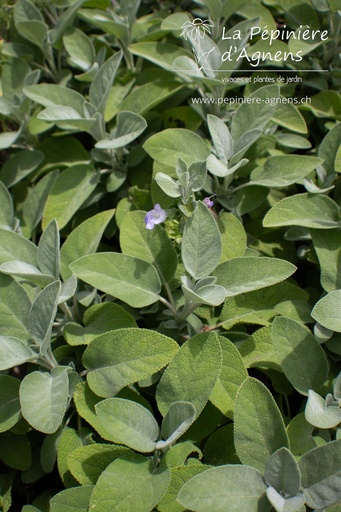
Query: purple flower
pixel 155 216
pixel 208 202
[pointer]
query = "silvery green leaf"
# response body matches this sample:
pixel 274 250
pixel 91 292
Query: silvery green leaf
pixel 173 143
pixel 68 289
pixel 245 274
pixel 313 188
pixel 291 140
pixel 197 366
pixel 10 412
pixel 98 319
pixel 205 281
pixel 6 212
pixel 255 115
pixel 130 279
pixel 21 164
pixel 243 144
pixel 75 499
pixel 128 423
pixel 207 54
pixel 180 474
pixel 69 192
pixel 216 167
pixel 14 352
pixel 281 504
pixel 327 311
pixel 151 245
pixel 321 475
pixel 50 95
pixel 233 372
pixel 181 167
pixel 129 127
pixel 329 147
pixel 102 83
pixel 321 333
pixel 178 419
pixel 79 47
pixel 188 66
pixel 197 175
pixel 184 185
pixel 231 488
pixel 301 357
pixel 137 354
pixel 319 414
pixel 168 185
pixel 221 137
pixel 35 202
pixel 271 173
pixel 84 239
pixel 48 250
pixel 201 243
pixel 42 315
pixel 65 20
pixel 5 107
pixel 337 387
pixel 212 294
pixel 43 398
pixel 62 113
pixel 26 271
pixel 310 211
pixel 282 472
pixel 88 462
pixel 258 424
pixel 8 138
pixel 130 483
pixel 15 305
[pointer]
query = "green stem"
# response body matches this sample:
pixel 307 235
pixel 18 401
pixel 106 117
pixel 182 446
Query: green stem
pixel 65 308
pixel 188 309
pixel 170 295
pixel 169 306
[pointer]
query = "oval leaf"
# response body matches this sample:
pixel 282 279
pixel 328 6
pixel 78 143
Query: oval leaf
pixel 232 374
pixel 128 423
pixel 300 355
pixel 327 311
pixel 129 483
pixel 169 145
pixel 245 274
pixel 321 475
pixel 201 243
pixel 319 414
pixel 150 245
pixel 70 190
pixel 224 488
pixel 192 374
pixel 130 279
pixel 13 352
pixel 124 356
pixel 43 399
pixel 83 240
pixel 10 411
pixel 307 210
pixel 258 428
pixel 296 168
pixel 282 472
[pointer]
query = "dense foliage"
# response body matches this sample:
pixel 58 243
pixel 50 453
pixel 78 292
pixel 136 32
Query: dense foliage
pixel 170 256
